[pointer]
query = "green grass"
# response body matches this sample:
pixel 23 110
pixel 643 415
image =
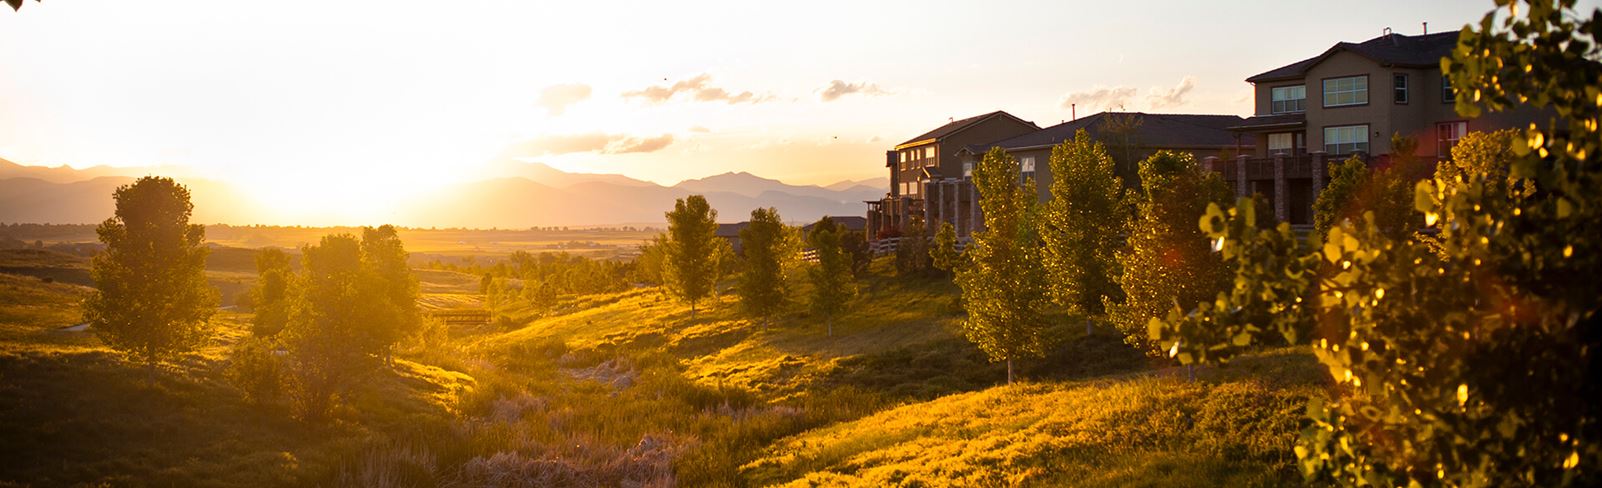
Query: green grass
pixel 1145 430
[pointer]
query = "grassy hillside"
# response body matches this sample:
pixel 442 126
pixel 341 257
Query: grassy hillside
pixel 625 388
pixel 1147 430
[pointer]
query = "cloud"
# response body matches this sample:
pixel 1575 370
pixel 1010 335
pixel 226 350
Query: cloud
pixel 700 130
pixel 556 98
pixel 1101 97
pixel 699 88
pixel 839 88
pixel 1172 97
pixel 596 142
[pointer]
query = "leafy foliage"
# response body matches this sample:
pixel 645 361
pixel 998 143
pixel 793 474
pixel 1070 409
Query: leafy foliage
pixel 1167 260
pixel 762 287
pixel 1004 287
pixel 691 268
pixel 944 253
pixel 350 306
pixel 270 297
pixel 1469 357
pixel 833 282
pixel 1084 223
pixel 1354 189
pixel 912 253
pixel 151 299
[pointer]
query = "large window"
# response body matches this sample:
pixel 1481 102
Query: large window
pixel 928 152
pixel 1346 139
pixel 1400 82
pixel 1281 143
pixel 1351 90
pixel 1289 99
pixel 967 169
pixel 1447 135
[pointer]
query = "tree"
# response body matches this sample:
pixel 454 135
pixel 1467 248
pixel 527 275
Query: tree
pixel 912 253
pixel 151 299
pixel 833 283
pixel 944 253
pixel 17 4
pixel 353 302
pixel 271 294
pixel 1003 286
pixel 761 287
pixel 1469 357
pixel 691 268
pixel 1167 259
pixel 1084 223
pixel 648 267
pixel 855 245
pixel 1354 189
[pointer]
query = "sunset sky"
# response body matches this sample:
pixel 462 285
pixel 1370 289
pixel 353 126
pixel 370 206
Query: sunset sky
pixel 301 98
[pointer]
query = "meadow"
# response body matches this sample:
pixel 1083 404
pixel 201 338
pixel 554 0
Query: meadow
pixel 623 389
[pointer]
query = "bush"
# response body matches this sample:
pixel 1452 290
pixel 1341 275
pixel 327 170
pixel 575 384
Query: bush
pixel 256 370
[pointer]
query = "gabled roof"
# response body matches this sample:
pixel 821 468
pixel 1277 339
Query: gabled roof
pixel 1271 121
pixel 956 126
pixel 849 222
pixel 1424 51
pixel 1154 130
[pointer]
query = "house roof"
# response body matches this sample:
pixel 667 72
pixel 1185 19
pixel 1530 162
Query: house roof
pixel 956 126
pixel 1154 130
pixel 1423 51
pixel 732 230
pixel 1270 121
pixel 849 222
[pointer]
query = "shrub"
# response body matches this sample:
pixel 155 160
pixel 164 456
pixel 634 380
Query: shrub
pixel 256 370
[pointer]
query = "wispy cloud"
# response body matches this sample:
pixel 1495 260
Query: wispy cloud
pixel 698 88
pixel 1101 97
pixel 1171 97
pixel 840 88
pixel 700 130
pixel 556 98
pixel 1119 97
pixel 597 142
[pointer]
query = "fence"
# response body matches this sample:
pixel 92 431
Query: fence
pixel 889 245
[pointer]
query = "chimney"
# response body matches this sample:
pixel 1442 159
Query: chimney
pixel 1073 110
pixel 1386 34
pixel 1426 28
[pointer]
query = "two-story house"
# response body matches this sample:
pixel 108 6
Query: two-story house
pixel 1349 100
pixel 932 156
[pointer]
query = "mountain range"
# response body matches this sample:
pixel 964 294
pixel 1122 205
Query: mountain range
pixel 521 194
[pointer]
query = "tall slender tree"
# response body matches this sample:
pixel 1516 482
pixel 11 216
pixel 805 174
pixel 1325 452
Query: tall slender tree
pixel 1003 286
pixel 834 283
pixel 1168 259
pixel 692 263
pixel 1084 223
pixel 151 298
pixel 761 285
pixel 943 254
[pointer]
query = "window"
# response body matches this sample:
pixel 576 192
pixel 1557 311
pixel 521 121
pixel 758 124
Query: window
pixel 928 152
pixel 967 170
pixel 1351 90
pixel 1447 95
pixel 1281 143
pixel 1447 134
pixel 1027 165
pixel 1289 99
pixel 1400 80
pixel 1346 139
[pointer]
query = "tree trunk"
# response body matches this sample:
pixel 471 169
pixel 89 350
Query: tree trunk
pixel 830 322
pixel 1087 326
pixel 1009 371
pixel 692 310
pixel 1190 370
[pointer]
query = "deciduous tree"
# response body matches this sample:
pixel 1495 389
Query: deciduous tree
pixel 762 286
pixel 833 283
pixel 271 294
pixel 151 299
pixel 1167 259
pixel 943 254
pixel 691 268
pixel 1003 286
pixel 1083 228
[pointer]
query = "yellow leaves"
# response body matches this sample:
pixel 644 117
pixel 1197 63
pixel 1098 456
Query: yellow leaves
pixel 1379 293
pixel 1462 394
pixel 1568 251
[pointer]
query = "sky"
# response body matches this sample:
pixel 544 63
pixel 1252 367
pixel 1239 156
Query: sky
pixel 300 99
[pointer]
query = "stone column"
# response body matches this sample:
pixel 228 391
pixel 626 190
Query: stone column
pixel 1319 172
pixel 1243 185
pixel 928 210
pixel 1281 199
pixel 973 208
pixel 1210 163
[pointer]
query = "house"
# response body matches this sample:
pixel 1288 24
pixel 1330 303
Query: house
pixel 933 156
pixel 1129 137
pixel 731 233
pixel 1347 101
